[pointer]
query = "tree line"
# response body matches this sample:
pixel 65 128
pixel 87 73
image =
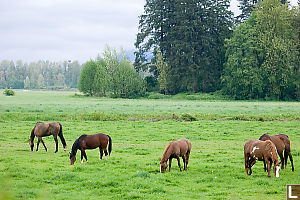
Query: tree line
pixel 39 75
pixel 187 46
pixel 197 46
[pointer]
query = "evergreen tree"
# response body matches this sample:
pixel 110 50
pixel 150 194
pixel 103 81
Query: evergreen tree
pixel 190 35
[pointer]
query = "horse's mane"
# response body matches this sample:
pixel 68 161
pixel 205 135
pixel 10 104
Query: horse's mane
pixel 76 144
pixel 266 136
pixel 166 150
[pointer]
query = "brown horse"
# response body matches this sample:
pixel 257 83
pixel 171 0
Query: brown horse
pixel 91 142
pixel 176 149
pixel 282 143
pixel 262 151
pixel 46 129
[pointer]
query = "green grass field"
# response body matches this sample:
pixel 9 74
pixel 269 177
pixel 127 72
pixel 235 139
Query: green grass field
pixel 140 131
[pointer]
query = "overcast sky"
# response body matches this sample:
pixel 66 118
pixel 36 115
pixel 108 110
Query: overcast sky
pixel 58 30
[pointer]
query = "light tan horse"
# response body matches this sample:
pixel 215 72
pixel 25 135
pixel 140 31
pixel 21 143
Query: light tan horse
pixel 262 151
pixel 176 149
pixel 42 129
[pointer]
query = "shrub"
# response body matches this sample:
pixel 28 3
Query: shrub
pixel 9 92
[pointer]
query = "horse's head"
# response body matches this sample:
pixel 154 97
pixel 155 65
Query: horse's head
pixel 163 166
pixel 31 144
pixel 265 137
pixel 72 158
pixel 276 168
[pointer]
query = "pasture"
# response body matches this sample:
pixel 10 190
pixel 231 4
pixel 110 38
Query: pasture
pixel 140 131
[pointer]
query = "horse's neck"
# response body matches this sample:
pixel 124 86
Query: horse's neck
pixel 167 153
pixel 32 135
pixel 273 150
pixel 274 155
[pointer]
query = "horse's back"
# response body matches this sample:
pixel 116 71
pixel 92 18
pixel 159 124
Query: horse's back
pixel 45 129
pixel 95 140
pixel 279 142
pixel 41 129
pixel 183 145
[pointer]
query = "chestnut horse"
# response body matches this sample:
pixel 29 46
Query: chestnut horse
pixel 282 143
pixel 262 151
pixel 91 142
pixel 176 149
pixel 46 129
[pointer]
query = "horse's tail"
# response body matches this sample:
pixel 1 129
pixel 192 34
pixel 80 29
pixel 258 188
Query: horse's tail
pixel 285 139
pixel 60 134
pixel 109 145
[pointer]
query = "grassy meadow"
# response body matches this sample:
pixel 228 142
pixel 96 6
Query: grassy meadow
pixel 140 130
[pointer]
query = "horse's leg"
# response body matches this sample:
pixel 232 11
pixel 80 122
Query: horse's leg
pixel 184 164
pixel 285 158
pixel 43 144
pixel 106 154
pixel 282 160
pixel 56 142
pixel 84 154
pixel 178 159
pixel 101 152
pixel 170 161
pixel 81 157
pixel 246 158
pixel 265 165
pixel 38 143
pixel 269 167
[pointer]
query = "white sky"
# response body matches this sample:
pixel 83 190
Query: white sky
pixel 58 30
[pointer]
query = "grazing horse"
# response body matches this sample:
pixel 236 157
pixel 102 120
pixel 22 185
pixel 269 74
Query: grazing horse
pixel 282 143
pixel 262 151
pixel 176 149
pixel 91 142
pixel 45 129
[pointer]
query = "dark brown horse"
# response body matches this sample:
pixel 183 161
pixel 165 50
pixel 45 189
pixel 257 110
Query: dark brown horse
pixel 91 142
pixel 262 151
pixel 46 129
pixel 176 149
pixel 282 143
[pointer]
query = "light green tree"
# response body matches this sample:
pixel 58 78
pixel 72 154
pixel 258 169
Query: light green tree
pixel 102 80
pixel 27 83
pixel 163 73
pixel 86 81
pixel 262 56
pixel 40 81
